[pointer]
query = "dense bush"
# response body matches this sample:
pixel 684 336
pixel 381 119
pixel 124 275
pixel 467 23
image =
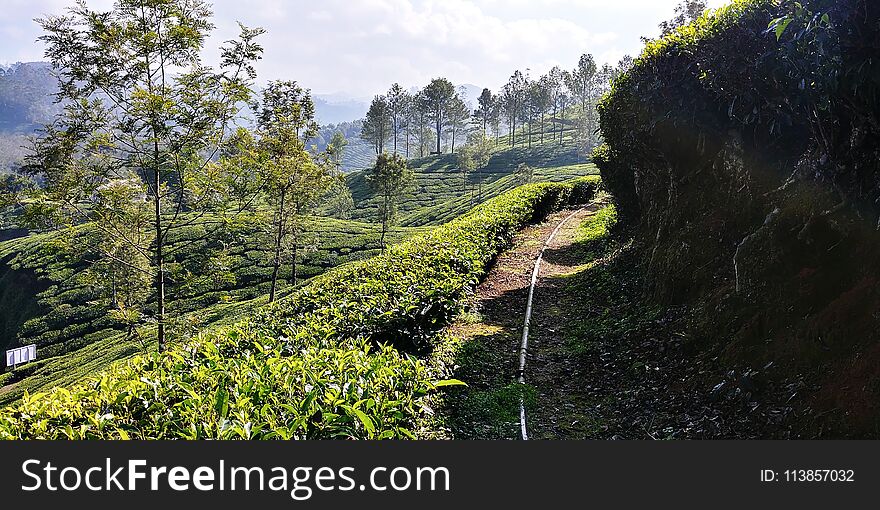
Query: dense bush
pixel 319 364
pixel 743 150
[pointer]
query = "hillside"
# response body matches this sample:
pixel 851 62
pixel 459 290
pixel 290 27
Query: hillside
pixel 440 193
pixel 745 163
pixel 355 353
pixel 48 300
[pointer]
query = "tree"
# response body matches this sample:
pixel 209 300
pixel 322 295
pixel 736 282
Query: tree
pixel 623 66
pixel 336 149
pixel 524 174
pixel 438 97
pixel 142 125
pixel 390 178
pixel 293 180
pixel 483 113
pixel 541 99
pixel 580 81
pixel 422 107
pixel 512 101
pixel 555 84
pixel 341 201
pixel 459 116
pixel 495 115
pixel 377 125
pixel 582 84
pixel 685 12
pixel 398 104
pixel 474 157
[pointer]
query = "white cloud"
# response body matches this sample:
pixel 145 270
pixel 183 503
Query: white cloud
pixel 359 47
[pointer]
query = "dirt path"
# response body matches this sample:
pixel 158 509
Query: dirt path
pixel 492 333
pixel 604 361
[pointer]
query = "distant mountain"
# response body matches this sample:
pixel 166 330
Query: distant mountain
pixel 472 92
pixel 26 103
pixel 335 110
pixel 26 97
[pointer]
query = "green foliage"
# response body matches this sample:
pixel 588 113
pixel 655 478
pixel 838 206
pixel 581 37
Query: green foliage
pixel 524 173
pixel 142 124
pixel 389 179
pixel 782 74
pixel 437 99
pixel 307 366
pixel 377 126
pixel 51 302
pixel 437 196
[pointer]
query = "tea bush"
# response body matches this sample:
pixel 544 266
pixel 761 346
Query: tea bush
pixel 329 361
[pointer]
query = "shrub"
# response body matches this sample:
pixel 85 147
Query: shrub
pixel 327 362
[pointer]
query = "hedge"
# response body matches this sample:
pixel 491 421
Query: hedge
pixel 337 359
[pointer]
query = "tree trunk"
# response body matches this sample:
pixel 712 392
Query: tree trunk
pixel 385 215
pixel 453 140
pixel 276 262
pixel 562 124
pixel 439 128
pixel 160 271
pixel 394 127
pixel 294 252
pixel 542 127
pixel 530 132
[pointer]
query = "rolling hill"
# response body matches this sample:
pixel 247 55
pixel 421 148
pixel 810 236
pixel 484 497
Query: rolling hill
pixel 47 300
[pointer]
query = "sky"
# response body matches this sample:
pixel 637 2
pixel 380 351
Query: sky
pixel 358 48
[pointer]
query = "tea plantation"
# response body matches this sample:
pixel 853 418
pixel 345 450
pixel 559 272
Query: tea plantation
pixel 346 356
pixel 49 301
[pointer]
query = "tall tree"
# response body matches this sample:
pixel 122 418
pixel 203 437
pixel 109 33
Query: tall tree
pixel 483 113
pixel 512 102
pixel 474 157
pixel 377 125
pixel 341 201
pixel 582 84
pixel 390 178
pixel 294 182
pixel 623 66
pixel 143 124
pixel 554 82
pixel 541 99
pixel 336 149
pixel 398 104
pixel 438 98
pixel 495 115
pixel 581 81
pixel 459 116
pixel 421 114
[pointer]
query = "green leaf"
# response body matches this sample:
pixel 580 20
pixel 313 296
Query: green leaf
pixel 368 423
pixel 221 402
pixel 449 382
pixel 781 27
